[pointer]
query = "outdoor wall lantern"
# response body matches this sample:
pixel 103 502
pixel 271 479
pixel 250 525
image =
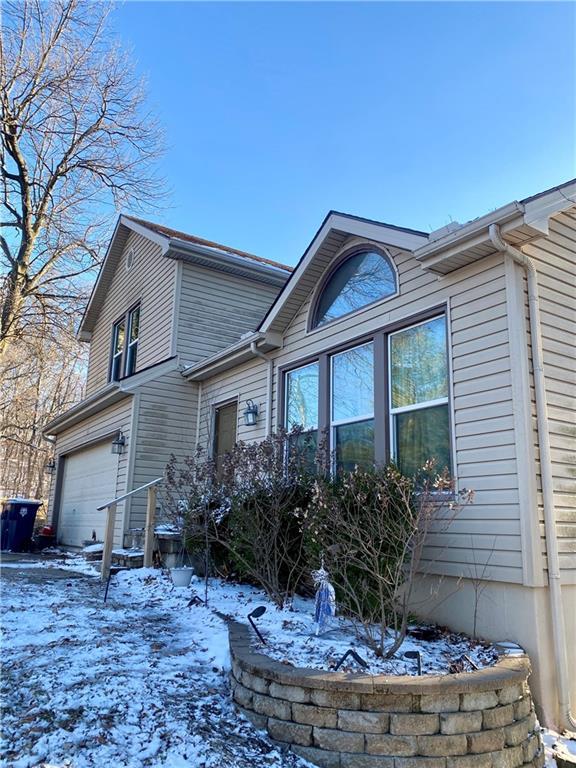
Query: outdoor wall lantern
pixel 250 413
pixel 118 443
pixel 50 467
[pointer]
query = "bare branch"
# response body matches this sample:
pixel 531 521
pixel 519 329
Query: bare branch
pixel 75 138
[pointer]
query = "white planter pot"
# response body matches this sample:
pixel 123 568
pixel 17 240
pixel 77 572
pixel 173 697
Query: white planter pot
pixel 181 577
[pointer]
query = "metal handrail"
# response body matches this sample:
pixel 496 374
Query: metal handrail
pixel 130 493
pixel 110 508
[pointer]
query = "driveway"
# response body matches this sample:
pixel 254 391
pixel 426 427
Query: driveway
pixel 138 681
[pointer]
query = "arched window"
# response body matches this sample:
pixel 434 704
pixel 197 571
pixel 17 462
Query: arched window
pixel 361 279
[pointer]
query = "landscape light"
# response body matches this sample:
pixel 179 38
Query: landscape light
pixel 255 614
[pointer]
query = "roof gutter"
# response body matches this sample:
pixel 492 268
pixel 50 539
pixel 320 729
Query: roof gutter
pixel 212 258
pixel 554 581
pixel 91 405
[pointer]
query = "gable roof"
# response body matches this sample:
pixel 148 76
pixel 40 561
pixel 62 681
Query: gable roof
pixel 175 234
pixel 177 245
pixel 336 228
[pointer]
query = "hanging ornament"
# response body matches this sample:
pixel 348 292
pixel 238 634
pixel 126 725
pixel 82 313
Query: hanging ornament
pixel 325 604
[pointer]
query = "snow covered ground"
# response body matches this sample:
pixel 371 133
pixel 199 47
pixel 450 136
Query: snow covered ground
pixel 142 680
pixel 138 681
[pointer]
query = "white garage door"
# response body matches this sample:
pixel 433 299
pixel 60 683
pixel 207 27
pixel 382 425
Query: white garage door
pixel 89 481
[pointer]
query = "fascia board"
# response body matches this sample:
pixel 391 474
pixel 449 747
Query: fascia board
pixel 155 237
pixel 207 257
pixel 82 334
pixel 380 233
pixel 228 353
pixel 291 286
pixel 88 407
pixel 138 379
pixel 231 356
pixel 538 211
pixel 124 221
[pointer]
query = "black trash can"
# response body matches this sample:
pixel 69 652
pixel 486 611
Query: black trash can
pixel 17 524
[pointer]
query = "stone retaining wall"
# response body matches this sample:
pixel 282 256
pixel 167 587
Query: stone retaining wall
pixel 481 719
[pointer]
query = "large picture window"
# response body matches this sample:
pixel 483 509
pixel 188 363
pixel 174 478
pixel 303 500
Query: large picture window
pixel 362 279
pixel 384 399
pixel 352 407
pixel 419 396
pixel 301 397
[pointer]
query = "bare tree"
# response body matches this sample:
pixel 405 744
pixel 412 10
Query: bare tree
pixel 39 378
pixel 76 143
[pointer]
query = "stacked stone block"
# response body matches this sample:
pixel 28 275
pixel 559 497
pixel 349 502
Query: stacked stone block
pixel 482 719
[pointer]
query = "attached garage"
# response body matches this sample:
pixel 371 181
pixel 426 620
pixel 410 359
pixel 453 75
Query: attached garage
pixel 89 480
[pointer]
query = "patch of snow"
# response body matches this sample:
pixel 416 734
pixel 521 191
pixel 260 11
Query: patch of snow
pixel 556 744
pixel 167 528
pixel 94 548
pixel 291 637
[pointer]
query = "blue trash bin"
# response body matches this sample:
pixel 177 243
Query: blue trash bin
pixel 18 517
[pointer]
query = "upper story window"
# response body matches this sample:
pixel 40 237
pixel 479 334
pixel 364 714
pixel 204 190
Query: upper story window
pixel 118 342
pixel 361 279
pixel 125 345
pixel 133 332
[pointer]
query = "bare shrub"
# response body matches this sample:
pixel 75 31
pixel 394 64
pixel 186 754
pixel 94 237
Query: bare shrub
pixel 371 526
pixel 252 507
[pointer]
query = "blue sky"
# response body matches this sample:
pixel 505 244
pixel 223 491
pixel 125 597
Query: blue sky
pixel 411 113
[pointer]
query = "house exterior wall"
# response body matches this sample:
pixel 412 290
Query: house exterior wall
pixel 481 403
pixel 165 424
pixel 245 381
pixel 215 309
pixel 555 260
pixel 482 408
pixel 100 426
pixel 151 281
pixel 494 553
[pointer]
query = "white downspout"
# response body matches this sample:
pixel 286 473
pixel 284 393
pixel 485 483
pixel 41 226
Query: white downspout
pixel 255 351
pixel 556 607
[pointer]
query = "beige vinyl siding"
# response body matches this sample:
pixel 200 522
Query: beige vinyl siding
pixel 216 308
pixel 486 535
pixel 98 427
pixel 150 281
pixel 555 260
pixel 165 424
pixel 247 381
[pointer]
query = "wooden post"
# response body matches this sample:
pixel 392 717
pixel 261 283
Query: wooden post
pixel 149 530
pixel 108 541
